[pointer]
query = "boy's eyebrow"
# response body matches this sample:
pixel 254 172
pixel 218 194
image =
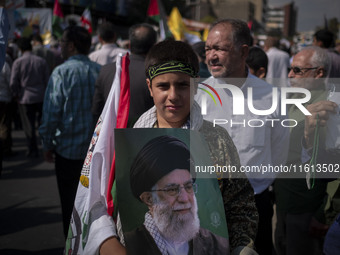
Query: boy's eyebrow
pixel 161 83
pixel 182 83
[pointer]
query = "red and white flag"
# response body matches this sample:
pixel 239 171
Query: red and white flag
pixel 86 20
pixel 91 221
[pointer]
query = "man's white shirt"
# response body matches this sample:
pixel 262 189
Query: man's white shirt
pixel 107 54
pixel 257 146
pixel 277 71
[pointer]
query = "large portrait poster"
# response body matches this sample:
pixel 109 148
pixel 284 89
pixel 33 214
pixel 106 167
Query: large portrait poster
pixel 28 21
pixel 129 143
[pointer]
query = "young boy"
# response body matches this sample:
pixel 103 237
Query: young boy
pixel 169 66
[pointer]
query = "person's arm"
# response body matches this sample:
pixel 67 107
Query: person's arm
pixel 15 80
pixel 239 203
pixel 7 73
pixel 320 113
pixel 52 112
pixel 320 110
pixel 48 153
pixel 4 29
pixel 241 214
pixel 112 246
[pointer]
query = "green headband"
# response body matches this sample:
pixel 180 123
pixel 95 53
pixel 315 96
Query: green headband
pixel 169 67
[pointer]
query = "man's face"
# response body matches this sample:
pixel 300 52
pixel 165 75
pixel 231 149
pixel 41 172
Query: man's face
pixel 302 73
pixel 175 216
pixel 223 57
pixel 171 180
pixel 172 96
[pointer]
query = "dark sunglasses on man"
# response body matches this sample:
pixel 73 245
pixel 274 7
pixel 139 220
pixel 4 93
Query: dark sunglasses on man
pixel 299 70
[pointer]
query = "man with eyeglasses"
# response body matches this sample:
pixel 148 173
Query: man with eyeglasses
pixel 300 224
pixel 160 178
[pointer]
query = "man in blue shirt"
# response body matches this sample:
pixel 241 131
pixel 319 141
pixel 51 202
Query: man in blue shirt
pixel 67 123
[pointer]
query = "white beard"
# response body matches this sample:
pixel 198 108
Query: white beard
pixel 176 227
pixel 306 83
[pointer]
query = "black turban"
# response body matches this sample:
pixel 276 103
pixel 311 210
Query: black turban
pixel 157 158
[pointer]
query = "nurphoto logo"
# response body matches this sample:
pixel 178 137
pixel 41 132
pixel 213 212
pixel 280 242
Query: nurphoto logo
pixel 239 102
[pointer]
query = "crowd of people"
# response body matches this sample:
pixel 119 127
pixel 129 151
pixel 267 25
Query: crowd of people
pixel 62 90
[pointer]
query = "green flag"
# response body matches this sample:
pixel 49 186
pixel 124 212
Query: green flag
pixel 57 20
pixel 156 13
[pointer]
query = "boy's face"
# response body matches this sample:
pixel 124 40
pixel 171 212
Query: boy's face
pixel 172 98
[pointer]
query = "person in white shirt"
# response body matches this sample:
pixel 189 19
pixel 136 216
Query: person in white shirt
pixel 169 84
pixel 109 50
pixel 266 144
pixel 278 63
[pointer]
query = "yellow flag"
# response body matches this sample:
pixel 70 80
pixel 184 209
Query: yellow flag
pixel 205 34
pixel 176 25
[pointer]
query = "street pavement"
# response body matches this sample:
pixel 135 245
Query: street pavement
pixel 30 213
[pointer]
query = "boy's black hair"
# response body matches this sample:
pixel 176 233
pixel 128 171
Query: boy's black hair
pixel 171 50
